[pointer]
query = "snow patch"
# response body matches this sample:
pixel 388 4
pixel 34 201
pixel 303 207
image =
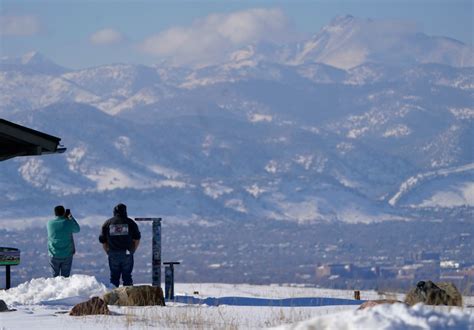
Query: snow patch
pixel 274 167
pixel 416 180
pixel 353 214
pixel 395 316
pixel 165 171
pixel 255 190
pixel 305 161
pixel 123 145
pixel 144 97
pixel 463 196
pixel 271 167
pixel 397 131
pixel 344 147
pixel 74 157
pixel 170 184
pixel 356 132
pixel 462 113
pixel 113 178
pixel 215 189
pixel 305 211
pixel 45 289
pixel 207 144
pixel 257 117
pixel 35 172
pixel 236 204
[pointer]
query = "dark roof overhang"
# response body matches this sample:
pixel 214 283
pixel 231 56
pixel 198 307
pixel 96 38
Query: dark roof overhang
pixel 17 140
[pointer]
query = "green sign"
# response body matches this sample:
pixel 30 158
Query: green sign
pixel 9 256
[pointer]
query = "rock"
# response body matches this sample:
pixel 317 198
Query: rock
pixel 93 306
pixel 142 295
pixel 3 306
pixel 372 303
pixel 429 293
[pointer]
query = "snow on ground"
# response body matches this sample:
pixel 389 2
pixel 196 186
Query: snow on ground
pixel 40 290
pixel 43 304
pixel 396 316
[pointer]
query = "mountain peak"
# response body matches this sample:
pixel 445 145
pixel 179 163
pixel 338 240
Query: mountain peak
pixel 349 41
pixel 342 20
pixel 32 61
pixel 32 57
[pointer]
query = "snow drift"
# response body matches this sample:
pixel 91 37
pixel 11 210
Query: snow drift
pixel 396 316
pixel 42 290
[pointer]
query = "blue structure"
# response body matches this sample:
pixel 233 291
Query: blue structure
pixel 169 279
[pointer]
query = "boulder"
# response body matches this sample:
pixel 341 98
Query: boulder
pixel 372 303
pixel 430 293
pixel 93 306
pixel 142 295
pixel 3 306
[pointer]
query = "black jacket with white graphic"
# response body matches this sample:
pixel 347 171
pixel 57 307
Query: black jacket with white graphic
pixel 119 232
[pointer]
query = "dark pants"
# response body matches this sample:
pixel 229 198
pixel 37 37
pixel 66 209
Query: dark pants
pixel 60 266
pixel 121 264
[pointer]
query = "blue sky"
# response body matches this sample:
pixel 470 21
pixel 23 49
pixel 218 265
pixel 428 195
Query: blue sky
pixel 85 33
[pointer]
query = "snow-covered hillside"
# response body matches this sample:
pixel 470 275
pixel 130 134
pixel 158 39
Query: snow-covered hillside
pixel 349 41
pixel 257 137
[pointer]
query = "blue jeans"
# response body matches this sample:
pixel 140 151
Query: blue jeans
pixel 60 266
pixel 121 264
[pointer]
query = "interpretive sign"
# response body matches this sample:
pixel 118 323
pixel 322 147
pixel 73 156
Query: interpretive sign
pixel 9 256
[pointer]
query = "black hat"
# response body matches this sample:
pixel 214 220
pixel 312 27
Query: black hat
pixel 120 210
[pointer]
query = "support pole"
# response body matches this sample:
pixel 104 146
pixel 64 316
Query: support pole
pixel 156 250
pixel 356 294
pixel 169 279
pixel 156 259
pixel 7 277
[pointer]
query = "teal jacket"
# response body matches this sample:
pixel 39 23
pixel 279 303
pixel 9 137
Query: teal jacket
pixel 60 241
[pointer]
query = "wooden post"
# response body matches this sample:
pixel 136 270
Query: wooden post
pixel 357 295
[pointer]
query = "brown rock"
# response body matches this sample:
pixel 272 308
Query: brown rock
pixel 142 295
pixel 430 293
pixel 93 306
pixel 372 303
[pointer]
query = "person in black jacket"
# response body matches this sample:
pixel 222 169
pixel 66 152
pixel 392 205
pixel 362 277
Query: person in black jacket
pixel 120 238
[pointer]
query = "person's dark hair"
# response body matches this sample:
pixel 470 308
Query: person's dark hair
pixel 120 210
pixel 59 211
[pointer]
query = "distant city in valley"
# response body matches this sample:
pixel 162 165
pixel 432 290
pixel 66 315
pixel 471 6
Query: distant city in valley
pixel 382 256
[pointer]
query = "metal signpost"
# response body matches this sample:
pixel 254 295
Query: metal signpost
pixel 9 257
pixel 156 250
pixel 169 279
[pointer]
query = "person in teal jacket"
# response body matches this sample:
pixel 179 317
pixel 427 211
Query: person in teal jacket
pixel 60 241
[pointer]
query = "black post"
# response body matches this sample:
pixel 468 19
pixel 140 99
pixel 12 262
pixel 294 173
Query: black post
pixel 156 249
pixel 169 279
pixel 7 277
pixel 156 259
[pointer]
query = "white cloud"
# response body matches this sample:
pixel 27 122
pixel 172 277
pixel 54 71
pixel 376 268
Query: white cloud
pixel 211 38
pixel 106 36
pixel 26 25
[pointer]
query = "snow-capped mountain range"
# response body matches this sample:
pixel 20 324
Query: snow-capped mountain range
pixel 362 122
